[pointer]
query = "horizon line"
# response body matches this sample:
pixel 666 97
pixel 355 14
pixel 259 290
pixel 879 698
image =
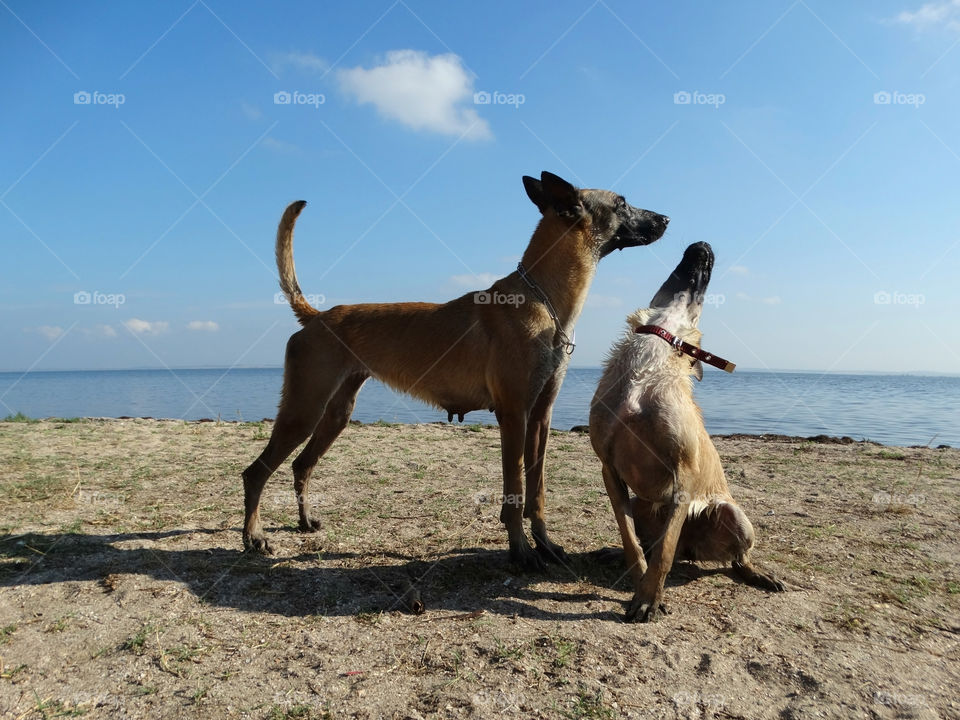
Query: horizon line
pixel 918 373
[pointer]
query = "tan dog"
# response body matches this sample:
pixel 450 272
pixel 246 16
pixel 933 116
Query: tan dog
pixel 649 435
pixel 505 349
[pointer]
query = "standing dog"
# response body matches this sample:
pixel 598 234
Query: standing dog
pixel 471 353
pixel 649 435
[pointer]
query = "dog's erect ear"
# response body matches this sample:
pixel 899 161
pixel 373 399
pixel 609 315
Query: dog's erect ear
pixel 535 192
pixel 697 370
pixel 562 196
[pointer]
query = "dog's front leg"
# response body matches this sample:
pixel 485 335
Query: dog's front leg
pixel 513 428
pixel 620 500
pixel 647 603
pixel 538 431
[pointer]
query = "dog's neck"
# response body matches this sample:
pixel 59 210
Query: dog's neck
pixel 563 264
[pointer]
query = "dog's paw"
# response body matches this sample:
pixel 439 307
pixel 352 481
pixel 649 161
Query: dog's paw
pixel 257 543
pixel 551 552
pixel 608 555
pixel 526 558
pixel 643 611
pixel 768 582
pixel 308 524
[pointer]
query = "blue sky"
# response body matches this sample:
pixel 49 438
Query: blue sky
pixel 814 144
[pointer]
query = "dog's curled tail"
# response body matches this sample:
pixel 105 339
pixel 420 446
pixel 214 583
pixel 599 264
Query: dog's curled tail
pixel 288 275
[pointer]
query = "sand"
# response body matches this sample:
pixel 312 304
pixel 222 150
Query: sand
pixel 124 591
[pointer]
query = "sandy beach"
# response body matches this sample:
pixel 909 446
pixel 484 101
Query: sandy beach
pixel 124 591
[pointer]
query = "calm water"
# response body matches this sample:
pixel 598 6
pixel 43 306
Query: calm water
pixel 891 409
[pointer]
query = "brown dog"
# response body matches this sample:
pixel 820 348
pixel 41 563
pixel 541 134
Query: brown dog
pixel 505 349
pixel 649 435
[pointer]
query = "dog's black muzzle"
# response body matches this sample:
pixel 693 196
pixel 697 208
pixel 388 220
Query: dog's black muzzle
pixel 691 275
pixel 641 227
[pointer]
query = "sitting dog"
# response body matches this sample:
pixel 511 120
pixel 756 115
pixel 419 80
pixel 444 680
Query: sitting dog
pixel 649 435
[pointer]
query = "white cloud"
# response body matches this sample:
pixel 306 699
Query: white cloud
pixel 100 331
pixel 474 281
pixel 771 300
pixel 251 111
pixel 50 332
pixel 281 146
pixel 945 13
pixel 420 91
pixel 140 327
pixel 739 270
pixel 304 61
pixel 203 325
pixel 603 302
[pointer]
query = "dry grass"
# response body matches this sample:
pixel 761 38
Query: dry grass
pixel 123 590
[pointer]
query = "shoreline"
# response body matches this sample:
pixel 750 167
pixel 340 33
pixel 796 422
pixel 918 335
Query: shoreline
pixel 820 439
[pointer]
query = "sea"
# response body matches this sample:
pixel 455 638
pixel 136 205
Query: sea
pixel 899 410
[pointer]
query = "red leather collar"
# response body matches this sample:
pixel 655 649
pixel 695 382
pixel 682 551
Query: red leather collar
pixel 685 347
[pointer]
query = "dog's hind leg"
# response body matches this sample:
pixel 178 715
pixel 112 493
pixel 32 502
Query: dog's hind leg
pixel 307 385
pixel 733 532
pixel 334 420
pixel 534 450
pixel 288 432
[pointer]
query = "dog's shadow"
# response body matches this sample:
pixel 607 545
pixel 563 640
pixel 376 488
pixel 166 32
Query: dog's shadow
pixel 325 583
